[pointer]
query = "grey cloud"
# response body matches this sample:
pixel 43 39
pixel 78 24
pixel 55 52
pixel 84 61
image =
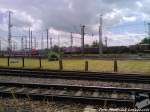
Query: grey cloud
pixel 68 15
pixel 57 13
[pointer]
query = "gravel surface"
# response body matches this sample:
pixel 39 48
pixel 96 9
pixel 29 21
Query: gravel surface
pixel 25 105
pixel 74 82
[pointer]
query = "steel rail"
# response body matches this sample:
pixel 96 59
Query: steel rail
pixel 80 98
pixel 76 87
pixel 75 75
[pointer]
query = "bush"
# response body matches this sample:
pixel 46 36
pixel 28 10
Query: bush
pixel 53 56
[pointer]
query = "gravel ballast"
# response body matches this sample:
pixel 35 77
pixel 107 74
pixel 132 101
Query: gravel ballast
pixel 74 82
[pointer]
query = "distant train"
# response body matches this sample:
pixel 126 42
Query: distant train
pixel 32 52
pixel 113 49
pixel 78 50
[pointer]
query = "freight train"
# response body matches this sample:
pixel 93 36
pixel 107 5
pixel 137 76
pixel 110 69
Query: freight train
pixel 32 52
pixel 78 50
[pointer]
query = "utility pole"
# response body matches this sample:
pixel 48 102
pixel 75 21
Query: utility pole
pixel 82 37
pixel 106 41
pixel 100 35
pixel 59 43
pixel 42 42
pixel 26 45
pixel 47 38
pixel 51 42
pixel 9 32
pixel 22 43
pixel 149 34
pixel 31 41
pixel 71 41
pixel 14 46
pixel 26 41
pixel 0 46
pixel 35 42
pixel 148 30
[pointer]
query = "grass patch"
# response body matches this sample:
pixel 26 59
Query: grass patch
pixel 31 63
pixel 101 65
pixel 134 66
pixel 3 61
pixel 53 65
pixel 126 66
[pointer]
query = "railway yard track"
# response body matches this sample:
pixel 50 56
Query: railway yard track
pixel 76 88
pixel 125 96
pixel 38 73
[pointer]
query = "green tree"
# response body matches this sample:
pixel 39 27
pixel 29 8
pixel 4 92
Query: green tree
pixel 87 45
pixel 53 56
pixel 95 44
pixel 145 41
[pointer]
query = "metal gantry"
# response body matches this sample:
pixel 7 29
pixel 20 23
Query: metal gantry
pixel 100 36
pixel 9 32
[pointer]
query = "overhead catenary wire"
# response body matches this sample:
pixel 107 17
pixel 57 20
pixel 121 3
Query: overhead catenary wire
pixel 77 32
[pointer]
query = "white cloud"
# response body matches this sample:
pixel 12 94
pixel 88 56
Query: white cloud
pixel 67 15
pixel 139 4
pixel 129 19
pixel 124 39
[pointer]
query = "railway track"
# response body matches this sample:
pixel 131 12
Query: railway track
pixel 117 77
pixel 86 94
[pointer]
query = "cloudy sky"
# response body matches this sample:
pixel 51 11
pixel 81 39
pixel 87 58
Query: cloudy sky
pixel 124 20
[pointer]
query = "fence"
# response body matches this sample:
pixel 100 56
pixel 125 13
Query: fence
pixel 21 62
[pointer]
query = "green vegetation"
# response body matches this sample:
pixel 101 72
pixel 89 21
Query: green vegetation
pixel 145 41
pixel 53 56
pixel 132 66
